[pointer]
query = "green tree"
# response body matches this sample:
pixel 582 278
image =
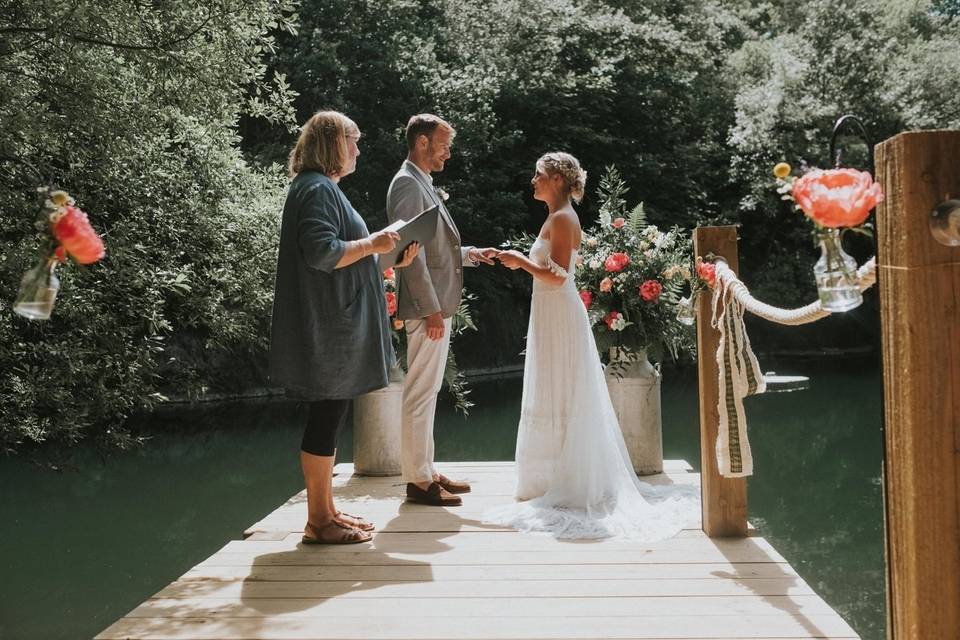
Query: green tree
pixel 132 107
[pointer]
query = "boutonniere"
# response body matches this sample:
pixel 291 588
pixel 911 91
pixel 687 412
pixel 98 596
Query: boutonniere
pixel 443 194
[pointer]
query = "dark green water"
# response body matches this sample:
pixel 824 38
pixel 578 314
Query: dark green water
pixel 83 546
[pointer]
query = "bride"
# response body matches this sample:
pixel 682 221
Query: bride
pixel 574 476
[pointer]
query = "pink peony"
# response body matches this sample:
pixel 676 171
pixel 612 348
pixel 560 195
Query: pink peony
pixel 610 318
pixel 391 302
pixel 616 262
pixel 618 223
pixel 606 285
pixel 838 197
pixel 74 233
pixel 587 298
pixel 650 290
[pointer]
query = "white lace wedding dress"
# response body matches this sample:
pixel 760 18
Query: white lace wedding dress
pixel 574 476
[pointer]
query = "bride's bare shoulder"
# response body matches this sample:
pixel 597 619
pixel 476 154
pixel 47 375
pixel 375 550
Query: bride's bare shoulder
pixel 563 222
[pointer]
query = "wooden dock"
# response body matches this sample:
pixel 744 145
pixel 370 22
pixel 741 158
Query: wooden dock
pixel 433 573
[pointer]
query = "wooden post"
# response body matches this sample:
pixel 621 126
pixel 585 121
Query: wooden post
pixel 919 283
pixel 724 500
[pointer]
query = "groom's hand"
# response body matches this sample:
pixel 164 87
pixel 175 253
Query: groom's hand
pixel 485 256
pixel 434 326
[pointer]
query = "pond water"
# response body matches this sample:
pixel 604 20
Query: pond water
pixel 84 545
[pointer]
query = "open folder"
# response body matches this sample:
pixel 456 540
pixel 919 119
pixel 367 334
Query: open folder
pixel 419 228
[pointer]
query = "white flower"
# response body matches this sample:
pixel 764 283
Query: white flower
pixel 661 241
pixel 594 264
pixel 619 324
pixel 443 194
pixel 651 232
pixel 591 242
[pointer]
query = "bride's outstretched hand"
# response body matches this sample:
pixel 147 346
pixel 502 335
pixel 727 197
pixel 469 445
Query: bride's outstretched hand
pixel 408 255
pixel 511 259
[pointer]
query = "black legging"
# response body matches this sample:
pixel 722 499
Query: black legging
pixel 324 420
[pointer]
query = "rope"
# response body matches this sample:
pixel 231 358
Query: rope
pixel 726 278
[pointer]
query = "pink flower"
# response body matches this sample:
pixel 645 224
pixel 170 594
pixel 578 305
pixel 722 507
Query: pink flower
pixel 611 318
pixel 618 223
pixel 616 262
pixel 389 274
pixel 606 285
pixel 398 324
pixel 707 271
pixel 587 298
pixel 72 229
pixel 391 302
pixel 838 197
pixel 650 290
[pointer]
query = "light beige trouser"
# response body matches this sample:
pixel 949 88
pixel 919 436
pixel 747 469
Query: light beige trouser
pixel 426 361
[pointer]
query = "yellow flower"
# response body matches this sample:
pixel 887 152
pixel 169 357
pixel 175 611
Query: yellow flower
pixel 782 170
pixel 60 198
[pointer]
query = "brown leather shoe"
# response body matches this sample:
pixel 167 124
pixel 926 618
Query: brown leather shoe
pixel 452 485
pixel 434 495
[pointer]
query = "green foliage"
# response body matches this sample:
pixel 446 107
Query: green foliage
pixel 139 109
pixel 132 109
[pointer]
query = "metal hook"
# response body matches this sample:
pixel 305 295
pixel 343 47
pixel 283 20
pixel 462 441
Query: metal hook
pixel 835 155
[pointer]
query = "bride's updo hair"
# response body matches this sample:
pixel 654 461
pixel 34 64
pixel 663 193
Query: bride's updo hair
pixel 568 168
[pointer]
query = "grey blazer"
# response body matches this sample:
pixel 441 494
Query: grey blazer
pixel 434 280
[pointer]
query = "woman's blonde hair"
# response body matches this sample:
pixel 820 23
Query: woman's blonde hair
pixel 568 168
pixel 322 145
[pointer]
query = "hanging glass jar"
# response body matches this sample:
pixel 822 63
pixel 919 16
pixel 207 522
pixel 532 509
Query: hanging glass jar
pixel 38 290
pixel 836 274
pixel 686 313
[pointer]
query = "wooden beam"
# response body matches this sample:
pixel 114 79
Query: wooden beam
pixel 919 282
pixel 724 500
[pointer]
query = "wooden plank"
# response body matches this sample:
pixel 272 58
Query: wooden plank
pixel 443 467
pixel 485 589
pixel 919 283
pixel 371 556
pixel 507 541
pixel 414 572
pixel 489 627
pixel 442 607
pixel 724 500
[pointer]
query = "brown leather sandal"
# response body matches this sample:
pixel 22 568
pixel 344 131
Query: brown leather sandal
pixel 354 521
pixel 334 533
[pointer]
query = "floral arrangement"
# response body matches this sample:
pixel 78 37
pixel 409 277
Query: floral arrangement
pixel 462 321
pixel 835 200
pixel 66 233
pixel 630 275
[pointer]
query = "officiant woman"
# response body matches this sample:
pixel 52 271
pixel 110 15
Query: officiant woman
pixel 329 341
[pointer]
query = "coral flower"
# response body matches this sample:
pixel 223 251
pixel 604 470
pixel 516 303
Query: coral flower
pixel 650 290
pixel 606 285
pixel 618 223
pixel 781 170
pixel 587 298
pixel 611 318
pixel 73 231
pixel 838 197
pixel 707 271
pixel 616 262
pixel 398 324
pixel 389 274
pixel 391 302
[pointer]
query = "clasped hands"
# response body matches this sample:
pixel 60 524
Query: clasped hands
pixel 511 259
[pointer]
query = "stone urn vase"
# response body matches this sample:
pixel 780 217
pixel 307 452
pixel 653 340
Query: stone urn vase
pixel 634 386
pixel 376 429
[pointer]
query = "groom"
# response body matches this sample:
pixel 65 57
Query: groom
pixel 428 297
